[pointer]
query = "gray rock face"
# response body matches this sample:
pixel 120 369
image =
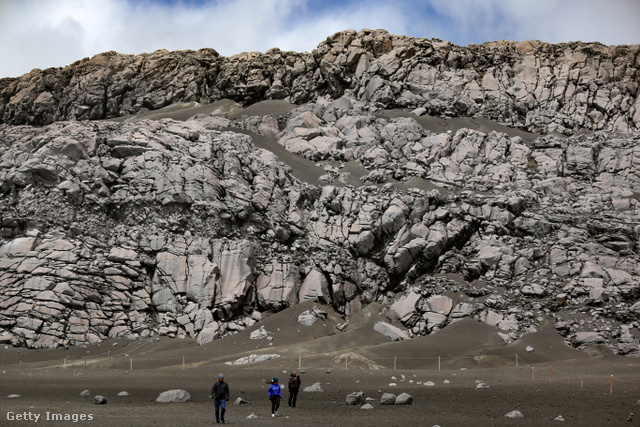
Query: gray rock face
pixel 530 84
pixel 192 227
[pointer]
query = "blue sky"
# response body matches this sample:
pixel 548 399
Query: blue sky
pixel 52 33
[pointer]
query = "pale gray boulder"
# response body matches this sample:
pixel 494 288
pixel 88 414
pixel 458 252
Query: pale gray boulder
pixel 388 399
pixel 405 306
pixel 307 318
pixel 174 396
pixel 313 388
pixel 403 399
pixel 392 332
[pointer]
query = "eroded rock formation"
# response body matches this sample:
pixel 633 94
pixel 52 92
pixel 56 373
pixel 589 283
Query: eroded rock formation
pixel 138 227
pixel 531 85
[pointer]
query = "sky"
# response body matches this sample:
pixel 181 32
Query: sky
pixel 56 33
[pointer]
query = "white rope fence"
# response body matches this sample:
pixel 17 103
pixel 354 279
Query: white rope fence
pixel 256 359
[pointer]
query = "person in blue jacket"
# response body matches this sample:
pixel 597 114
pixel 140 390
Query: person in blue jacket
pixel 275 394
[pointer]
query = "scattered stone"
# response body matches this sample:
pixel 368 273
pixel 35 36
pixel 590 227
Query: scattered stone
pixel 306 318
pixel 342 326
pixel 253 358
pixel 388 399
pixel 174 396
pixel 240 401
pixel 85 393
pixel 259 333
pixel 123 393
pixel 514 414
pixel 355 398
pixel 366 406
pixel 390 331
pixel 99 400
pixel 404 399
pixel 314 388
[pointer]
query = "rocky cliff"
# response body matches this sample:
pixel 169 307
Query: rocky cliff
pixel 530 85
pixel 367 170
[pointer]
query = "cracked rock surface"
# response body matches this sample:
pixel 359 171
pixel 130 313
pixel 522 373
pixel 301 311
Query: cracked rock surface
pixel 373 169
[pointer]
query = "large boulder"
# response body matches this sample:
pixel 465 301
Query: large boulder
pixel 174 396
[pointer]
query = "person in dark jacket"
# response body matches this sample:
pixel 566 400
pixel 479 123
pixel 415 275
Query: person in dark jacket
pixel 294 387
pixel 275 394
pixel 220 396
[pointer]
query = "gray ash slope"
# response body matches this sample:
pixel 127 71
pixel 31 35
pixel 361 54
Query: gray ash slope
pixel 497 182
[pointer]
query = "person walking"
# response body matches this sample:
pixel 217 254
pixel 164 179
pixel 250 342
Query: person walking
pixel 275 394
pixel 294 387
pixel 220 396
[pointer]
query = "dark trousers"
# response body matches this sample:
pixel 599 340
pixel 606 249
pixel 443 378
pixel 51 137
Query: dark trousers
pixel 221 406
pixel 275 404
pixel 293 397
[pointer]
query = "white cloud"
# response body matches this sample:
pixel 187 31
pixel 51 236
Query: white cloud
pixel 552 21
pixel 40 33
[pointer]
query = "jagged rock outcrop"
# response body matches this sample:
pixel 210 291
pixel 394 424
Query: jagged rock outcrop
pixel 141 227
pixel 532 85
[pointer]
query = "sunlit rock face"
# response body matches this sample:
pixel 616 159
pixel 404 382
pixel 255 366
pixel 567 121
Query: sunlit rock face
pixel 496 181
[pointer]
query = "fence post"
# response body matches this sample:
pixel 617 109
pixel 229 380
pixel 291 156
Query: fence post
pixel 85 361
pixel 299 361
pixel 183 363
pixel 131 363
pixel 395 362
pixel 346 362
pixel 438 363
pixel 516 360
pixel 65 363
pixel 109 355
pixel 21 365
pixel 549 373
pixel 611 390
pixel 533 373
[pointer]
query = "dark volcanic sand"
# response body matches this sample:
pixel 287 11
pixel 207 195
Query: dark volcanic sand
pixel 579 388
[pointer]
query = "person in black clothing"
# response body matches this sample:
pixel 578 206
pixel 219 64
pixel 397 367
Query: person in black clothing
pixel 294 387
pixel 220 396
